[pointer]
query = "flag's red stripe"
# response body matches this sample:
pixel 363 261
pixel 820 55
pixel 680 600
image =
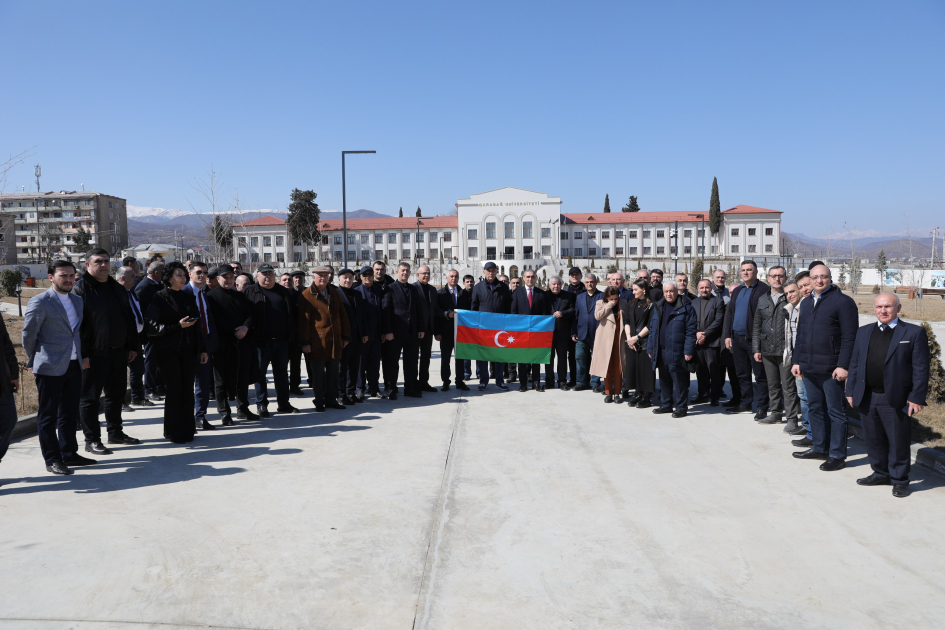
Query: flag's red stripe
pixel 521 339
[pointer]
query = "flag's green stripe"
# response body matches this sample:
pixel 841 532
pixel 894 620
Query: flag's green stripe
pixel 503 355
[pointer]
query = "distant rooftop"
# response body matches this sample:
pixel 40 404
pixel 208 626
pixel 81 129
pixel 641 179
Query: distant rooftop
pixel 266 220
pixel 62 194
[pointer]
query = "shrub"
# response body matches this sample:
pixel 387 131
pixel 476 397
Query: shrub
pixel 876 289
pixel 936 373
pixel 9 278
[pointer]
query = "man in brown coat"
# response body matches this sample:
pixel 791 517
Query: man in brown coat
pixel 323 333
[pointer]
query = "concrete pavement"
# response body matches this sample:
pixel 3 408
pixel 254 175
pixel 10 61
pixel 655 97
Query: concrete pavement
pixel 499 510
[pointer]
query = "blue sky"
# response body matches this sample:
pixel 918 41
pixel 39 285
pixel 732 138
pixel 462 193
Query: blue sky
pixel 829 111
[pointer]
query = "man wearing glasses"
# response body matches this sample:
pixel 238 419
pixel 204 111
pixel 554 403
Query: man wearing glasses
pixel 767 340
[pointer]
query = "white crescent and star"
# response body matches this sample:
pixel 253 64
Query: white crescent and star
pixel 509 340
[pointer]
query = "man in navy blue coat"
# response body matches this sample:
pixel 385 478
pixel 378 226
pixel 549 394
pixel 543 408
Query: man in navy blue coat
pixel 583 332
pixel 736 331
pixel 826 329
pixel 671 345
pixel 530 300
pixel 491 296
pixel 888 382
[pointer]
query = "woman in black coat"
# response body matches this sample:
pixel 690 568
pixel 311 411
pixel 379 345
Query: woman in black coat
pixel 178 344
pixel 636 319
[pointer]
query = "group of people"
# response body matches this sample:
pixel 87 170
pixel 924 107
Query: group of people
pixel 186 334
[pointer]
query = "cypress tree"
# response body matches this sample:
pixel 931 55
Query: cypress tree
pixel 401 215
pixel 606 203
pixel 715 208
pixel 418 211
pixel 881 266
pixel 632 205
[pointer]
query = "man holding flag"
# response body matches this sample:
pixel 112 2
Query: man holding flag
pixel 490 296
pixel 530 300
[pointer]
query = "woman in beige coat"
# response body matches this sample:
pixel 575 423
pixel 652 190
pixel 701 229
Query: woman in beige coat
pixel 605 361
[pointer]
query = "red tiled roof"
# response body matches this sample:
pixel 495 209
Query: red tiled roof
pixel 742 209
pixel 391 223
pixel 266 220
pixel 631 217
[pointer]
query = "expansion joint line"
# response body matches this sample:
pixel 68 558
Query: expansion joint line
pixel 440 518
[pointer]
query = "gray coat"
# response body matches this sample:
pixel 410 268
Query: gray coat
pixel 47 337
pixel 767 336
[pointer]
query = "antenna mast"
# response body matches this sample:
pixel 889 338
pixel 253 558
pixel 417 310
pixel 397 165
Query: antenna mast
pixel 38 171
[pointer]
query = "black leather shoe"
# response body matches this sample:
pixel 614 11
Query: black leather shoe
pixel 809 454
pixel 58 468
pixel 774 418
pixel 78 460
pixel 644 403
pixel 334 404
pixel 738 409
pixel 713 403
pixel 206 426
pixel 263 411
pixel 564 387
pixel 426 387
pixel 126 408
pixel 873 480
pixel 319 408
pixel 503 387
pixel 391 396
pixel 297 391
pixel 246 414
pixel 97 448
pixel 802 443
pixel 608 398
pixel 414 394
pixel 701 400
pixel 460 385
pixel 539 388
pixel 732 403
pixel 142 402
pixel 523 387
pixel 155 397
pixel 598 390
pixel 680 414
pixel 663 410
pixel 833 464
pixel 123 439
pixel 901 490
pixel 346 400
pixel 761 415
pixel 579 388
pixel 228 421
pixel 800 430
pixel 445 388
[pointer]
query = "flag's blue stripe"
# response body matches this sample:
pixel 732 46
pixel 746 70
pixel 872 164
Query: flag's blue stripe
pixel 501 321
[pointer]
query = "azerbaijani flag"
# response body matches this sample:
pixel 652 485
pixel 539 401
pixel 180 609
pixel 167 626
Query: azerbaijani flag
pixel 503 338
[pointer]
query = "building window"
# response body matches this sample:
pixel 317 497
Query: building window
pixel 701 249
pixel 351 239
pixel 510 229
pixel 769 249
pixel 660 233
pixel 578 251
pixel 591 251
pixel 618 233
pixel 660 250
pixel 564 236
pixel 407 252
pixel 337 254
pixel 701 233
pixel 255 257
pixel 242 240
pixel 405 237
pixel 546 232
pixel 751 231
pixel 378 254
pixel 280 241
pixel 546 250
pixel 647 251
pixel 687 249
pixel 254 241
pixel 267 257
pixel 752 249
pixel 734 231
pixel 378 238
pixel 769 231
pixel 243 257
pixel 337 239
pixel 646 233
pixel 564 252
pixel 526 229
pixel 632 233
pixel 605 234
pixel 672 250
pixel 592 235
pixel 734 249
pixel 434 253
pixel 420 253
pixel 473 252
pixel 448 252
pixel 392 238
pixel 490 230
pixel 420 236
pixel 447 237
pixel 578 236
pixel 365 239
pixel 619 251
pixel 433 236
pixel 281 258
pixel 687 233
pixel 392 254
pixel 490 253
pixel 605 252
pixel 472 234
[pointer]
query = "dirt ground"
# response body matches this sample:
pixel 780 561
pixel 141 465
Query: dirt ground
pixel 930 308
pixel 928 427
pixel 26 399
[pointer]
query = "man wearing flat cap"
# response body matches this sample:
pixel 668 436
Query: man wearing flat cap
pixel 374 327
pixel 351 355
pixel 323 331
pixel 295 285
pixel 234 363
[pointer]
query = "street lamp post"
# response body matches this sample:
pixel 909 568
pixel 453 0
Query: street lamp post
pixel 344 208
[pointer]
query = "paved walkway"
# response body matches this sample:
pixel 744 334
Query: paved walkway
pixel 501 510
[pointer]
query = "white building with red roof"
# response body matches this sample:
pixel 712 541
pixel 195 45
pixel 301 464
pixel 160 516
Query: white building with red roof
pixel 521 229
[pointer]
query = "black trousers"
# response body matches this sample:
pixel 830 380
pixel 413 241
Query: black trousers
pixel 446 351
pixel 755 394
pixel 295 366
pixel 152 376
pixel 248 368
pixel 226 369
pixel 391 351
pixel 560 349
pixel 572 362
pixel 709 373
pixel 370 366
pixel 58 413
pixel 888 433
pixel 178 370
pixel 529 371
pixel 325 380
pixel 348 369
pixel 426 351
pixel 674 387
pixel 136 377
pixel 106 373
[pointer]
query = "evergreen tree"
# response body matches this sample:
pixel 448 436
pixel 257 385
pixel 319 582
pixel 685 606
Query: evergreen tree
pixel 881 267
pixel 842 277
pixel 82 240
pixel 401 215
pixel 303 216
pixel 606 203
pixel 697 271
pixel 418 211
pixel 632 205
pixel 715 208
pixel 936 391
pixel 220 232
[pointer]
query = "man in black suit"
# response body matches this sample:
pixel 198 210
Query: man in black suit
pixel 234 363
pixel 144 292
pixel 491 296
pixel 350 364
pixel 375 327
pixel 710 311
pixel 575 288
pixel 428 294
pixel 887 383
pixel 449 299
pixel 406 313
pixel 530 300
pixel 562 308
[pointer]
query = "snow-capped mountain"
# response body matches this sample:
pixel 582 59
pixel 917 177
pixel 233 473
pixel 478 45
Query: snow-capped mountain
pixel 155 215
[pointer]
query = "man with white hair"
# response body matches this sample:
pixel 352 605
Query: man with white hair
pixel 889 371
pixel 671 345
pixel 826 331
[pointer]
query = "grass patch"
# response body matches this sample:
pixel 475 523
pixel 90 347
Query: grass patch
pixel 928 427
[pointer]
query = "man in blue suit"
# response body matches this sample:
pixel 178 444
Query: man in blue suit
pixel 530 300
pixel 583 331
pixel 888 381
pixel 203 379
pixel 53 345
